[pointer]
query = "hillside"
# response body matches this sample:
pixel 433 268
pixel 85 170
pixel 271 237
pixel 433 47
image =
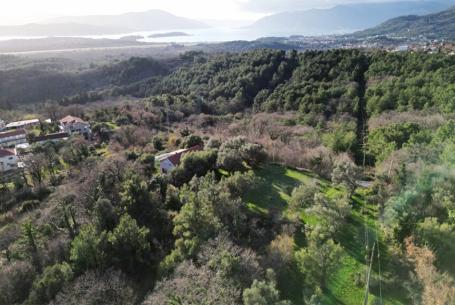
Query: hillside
pixel 433 26
pixel 254 178
pixel 345 18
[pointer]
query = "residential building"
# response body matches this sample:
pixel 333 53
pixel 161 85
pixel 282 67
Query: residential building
pixel 171 160
pixel 53 137
pixel 12 138
pixel 8 160
pixel 22 124
pixel 72 125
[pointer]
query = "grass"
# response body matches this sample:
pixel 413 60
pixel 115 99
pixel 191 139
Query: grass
pixel 346 285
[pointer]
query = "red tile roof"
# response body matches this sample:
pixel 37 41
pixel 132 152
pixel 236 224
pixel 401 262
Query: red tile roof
pixel 7 152
pixel 175 158
pixel 12 133
pixel 71 119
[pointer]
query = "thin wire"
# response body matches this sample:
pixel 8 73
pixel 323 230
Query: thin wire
pixel 379 265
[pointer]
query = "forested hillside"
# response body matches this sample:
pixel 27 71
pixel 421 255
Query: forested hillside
pixel 40 81
pixel 309 178
pixel 438 25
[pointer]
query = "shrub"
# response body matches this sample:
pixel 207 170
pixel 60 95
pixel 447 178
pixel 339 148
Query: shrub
pixel 47 285
pixel 303 196
pixel 97 288
pixel 253 154
pixel 15 282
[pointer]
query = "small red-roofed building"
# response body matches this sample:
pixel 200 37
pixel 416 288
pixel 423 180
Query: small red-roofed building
pixel 171 160
pixel 8 160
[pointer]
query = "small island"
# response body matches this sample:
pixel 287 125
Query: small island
pixel 131 38
pixel 169 34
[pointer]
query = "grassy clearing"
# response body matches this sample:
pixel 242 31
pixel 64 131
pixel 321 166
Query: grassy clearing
pixel 346 286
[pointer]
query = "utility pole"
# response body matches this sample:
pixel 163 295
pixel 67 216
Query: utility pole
pixel 367 289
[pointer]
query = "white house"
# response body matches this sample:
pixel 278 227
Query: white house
pixel 8 160
pixel 71 125
pixel 12 138
pixel 171 160
pixel 22 124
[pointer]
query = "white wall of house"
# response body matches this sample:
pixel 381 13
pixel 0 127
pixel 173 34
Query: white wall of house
pixel 8 163
pixel 12 141
pixel 77 127
pixel 166 166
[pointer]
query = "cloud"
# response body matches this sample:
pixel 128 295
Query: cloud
pixel 274 6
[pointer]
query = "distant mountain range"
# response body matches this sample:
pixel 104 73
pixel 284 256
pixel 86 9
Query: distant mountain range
pixel 153 20
pixel 346 18
pixel 58 29
pixel 433 26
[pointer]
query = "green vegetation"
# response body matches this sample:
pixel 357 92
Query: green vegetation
pixel 289 175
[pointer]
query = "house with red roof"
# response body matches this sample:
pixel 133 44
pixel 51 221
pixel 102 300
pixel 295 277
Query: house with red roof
pixel 8 159
pixel 71 125
pixel 171 160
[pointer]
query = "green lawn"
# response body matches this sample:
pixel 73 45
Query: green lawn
pixel 275 193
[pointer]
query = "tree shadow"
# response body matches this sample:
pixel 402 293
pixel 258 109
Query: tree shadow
pixel 273 189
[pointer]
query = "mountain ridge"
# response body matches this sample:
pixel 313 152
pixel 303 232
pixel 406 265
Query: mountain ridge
pixel 348 17
pixel 439 25
pixel 136 21
pixel 151 20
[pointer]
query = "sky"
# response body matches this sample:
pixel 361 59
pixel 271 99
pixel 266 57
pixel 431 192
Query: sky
pixel 26 11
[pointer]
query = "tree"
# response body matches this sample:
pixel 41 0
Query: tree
pixel 31 244
pixel 51 159
pixel 318 261
pixel 207 210
pixel 105 216
pixel 346 173
pixel 253 154
pixel 192 141
pixel 193 164
pixel 129 245
pixel 144 206
pixel 36 165
pixel 332 213
pixel 230 161
pixel 148 162
pixel 438 289
pixel 15 282
pixel 303 196
pixel 191 284
pixel 87 249
pixel 110 287
pixel 264 292
pixel 47 285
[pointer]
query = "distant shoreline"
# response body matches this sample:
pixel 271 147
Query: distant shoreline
pixel 169 34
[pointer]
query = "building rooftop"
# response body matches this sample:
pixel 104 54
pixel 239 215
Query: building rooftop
pixel 52 136
pixel 7 152
pixel 71 120
pixel 175 156
pixel 12 133
pixel 22 123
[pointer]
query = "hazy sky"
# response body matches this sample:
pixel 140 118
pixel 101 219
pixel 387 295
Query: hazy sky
pixel 23 11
